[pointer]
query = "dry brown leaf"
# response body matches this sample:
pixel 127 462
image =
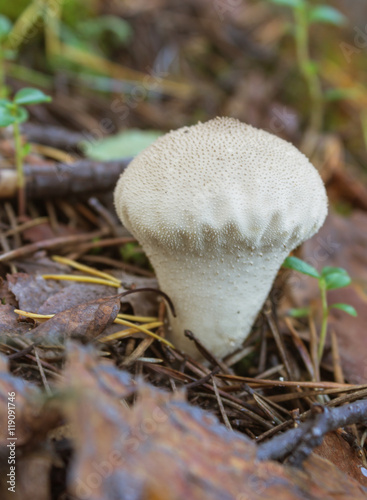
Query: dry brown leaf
pixel 27 400
pixel 31 291
pixel 6 296
pixel 86 321
pixel 73 295
pixel 340 453
pixel 9 324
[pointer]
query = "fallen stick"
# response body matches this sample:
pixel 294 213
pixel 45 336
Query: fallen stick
pixel 62 179
pixel 51 243
pixel 298 443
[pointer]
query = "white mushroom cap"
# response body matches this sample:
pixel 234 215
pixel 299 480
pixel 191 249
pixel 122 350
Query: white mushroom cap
pixel 217 207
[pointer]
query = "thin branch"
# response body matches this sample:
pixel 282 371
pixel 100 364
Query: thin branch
pixel 298 443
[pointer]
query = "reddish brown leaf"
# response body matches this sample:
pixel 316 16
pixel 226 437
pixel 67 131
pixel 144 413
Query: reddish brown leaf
pixel 340 453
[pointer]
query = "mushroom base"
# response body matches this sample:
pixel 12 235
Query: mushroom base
pixel 217 298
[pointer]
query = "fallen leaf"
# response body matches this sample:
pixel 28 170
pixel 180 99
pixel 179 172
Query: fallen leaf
pixel 341 454
pixel 9 324
pixel 31 291
pixel 27 404
pixel 86 321
pixel 74 295
pixel 6 296
pixel 143 303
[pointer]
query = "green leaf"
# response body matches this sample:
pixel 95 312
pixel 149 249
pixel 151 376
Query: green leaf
pixel 326 14
pixel 301 266
pixel 125 144
pixel 4 103
pixel 335 277
pixel 6 117
pixel 336 280
pixel 11 113
pixel 299 312
pixel 29 95
pixel 333 270
pixel 5 27
pixel 289 3
pixel 346 308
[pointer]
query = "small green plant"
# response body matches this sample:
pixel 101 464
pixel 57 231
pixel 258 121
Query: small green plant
pixel 305 15
pixel 13 113
pixel 5 28
pixel 330 278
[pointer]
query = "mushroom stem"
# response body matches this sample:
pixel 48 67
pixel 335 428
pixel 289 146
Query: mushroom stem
pixel 216 297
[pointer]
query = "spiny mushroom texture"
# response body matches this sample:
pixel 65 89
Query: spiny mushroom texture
pixel 217 207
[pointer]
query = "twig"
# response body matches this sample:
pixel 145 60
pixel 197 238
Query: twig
pixel 50 135
pixel 221 407
pixel 51 244
pixel 202 380
pixel 42 372
pixel 101 259
pixel 279 342
pixel 205 353
pixel 298 443
pixel 61 179
pixel 338 370
pixel 108 242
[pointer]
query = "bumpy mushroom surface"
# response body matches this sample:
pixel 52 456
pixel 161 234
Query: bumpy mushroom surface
pixel 217 207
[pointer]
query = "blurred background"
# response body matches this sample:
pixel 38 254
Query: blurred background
pixel 122 72
pixel 139 68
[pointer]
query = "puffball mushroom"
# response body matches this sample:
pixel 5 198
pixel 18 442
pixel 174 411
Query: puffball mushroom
pixel 217 207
